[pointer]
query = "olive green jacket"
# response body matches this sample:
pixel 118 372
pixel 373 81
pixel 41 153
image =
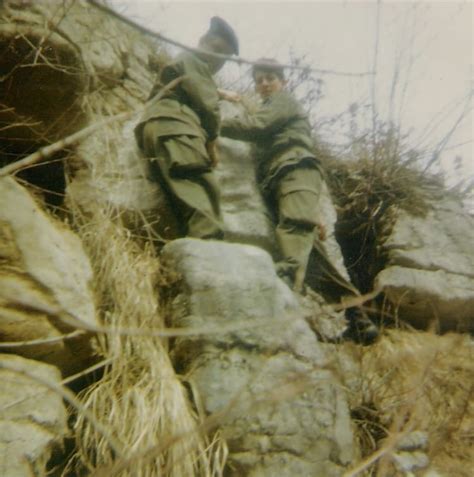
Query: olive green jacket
pixel 191 108
pixel 281 132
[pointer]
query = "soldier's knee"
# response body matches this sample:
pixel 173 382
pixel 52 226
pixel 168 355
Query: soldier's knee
pixel 298 207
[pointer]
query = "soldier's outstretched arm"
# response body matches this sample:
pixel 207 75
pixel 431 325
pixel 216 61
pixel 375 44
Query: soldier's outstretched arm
pixel 231 96
pixel 266 121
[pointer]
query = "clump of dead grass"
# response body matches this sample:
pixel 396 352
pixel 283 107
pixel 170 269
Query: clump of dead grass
pixel 418 381
pixel 379 177
pixel 140 398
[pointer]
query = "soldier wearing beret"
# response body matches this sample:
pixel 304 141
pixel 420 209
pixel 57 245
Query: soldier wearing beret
pixel 178 132
pixel 289 175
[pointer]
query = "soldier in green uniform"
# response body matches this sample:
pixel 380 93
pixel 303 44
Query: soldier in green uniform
pixel 178 132
pixel 289 175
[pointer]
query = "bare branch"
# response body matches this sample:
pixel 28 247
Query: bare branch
pixel 442 144
pixel 67 395
pixel 48 151
pixel 235 59
pixel 54 339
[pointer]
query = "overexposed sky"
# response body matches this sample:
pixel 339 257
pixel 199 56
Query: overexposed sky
pixel 423 63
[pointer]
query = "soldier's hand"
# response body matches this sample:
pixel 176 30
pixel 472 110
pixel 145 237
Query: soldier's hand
pixel 231 96
pixel 212 152
pixel 322 233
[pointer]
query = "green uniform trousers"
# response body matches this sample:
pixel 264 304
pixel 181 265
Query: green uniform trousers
pixel 294 202
pixel 183 169
pixel 294 199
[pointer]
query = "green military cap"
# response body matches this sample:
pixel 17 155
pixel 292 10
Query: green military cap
pixel 220 27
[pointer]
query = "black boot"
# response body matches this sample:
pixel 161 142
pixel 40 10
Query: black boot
pixel 360 328
pixel 286 272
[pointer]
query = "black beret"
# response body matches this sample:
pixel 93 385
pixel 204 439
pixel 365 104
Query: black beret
pixel 220 27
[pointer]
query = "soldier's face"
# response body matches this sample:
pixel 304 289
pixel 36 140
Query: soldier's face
pixel 268 83
pixel 215 44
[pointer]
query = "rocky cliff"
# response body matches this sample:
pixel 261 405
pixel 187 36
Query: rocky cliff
pixel 128 350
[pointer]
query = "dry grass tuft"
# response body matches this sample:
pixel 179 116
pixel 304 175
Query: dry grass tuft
pixel 369 193
pixel 419 381
pixel 140 398
pixel 379 178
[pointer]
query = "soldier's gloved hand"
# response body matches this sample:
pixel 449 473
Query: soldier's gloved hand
pixel 212 152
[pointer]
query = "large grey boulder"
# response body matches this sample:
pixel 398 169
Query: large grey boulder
pixel 264 379
pixel 430 273
pixel 45 282
pixel 33 419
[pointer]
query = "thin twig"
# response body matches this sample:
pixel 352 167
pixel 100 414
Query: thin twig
pixel 374 79
pixel 442 144
pixel 48 151
pixel 389 445
pixel 291 386
pixel 54 339
pixel 67 395
pixel 357 300
pixel 235 59
pixel 75 322
pixel 88 370
pixel 67 380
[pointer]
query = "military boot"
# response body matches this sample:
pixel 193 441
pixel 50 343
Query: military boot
pixel 360 327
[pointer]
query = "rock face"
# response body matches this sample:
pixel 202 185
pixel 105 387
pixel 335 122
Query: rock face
pixel 57 54
pixel 127 186
pixel 245 217
pixel 33 419
pixel 281 411
pixel 430 276
pixel 44 281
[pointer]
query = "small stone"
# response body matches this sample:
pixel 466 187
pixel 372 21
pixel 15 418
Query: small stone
pixel 417 440
pixel 411 461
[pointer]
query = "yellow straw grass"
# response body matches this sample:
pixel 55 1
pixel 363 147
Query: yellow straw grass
pixel 419 381
pixel 140 398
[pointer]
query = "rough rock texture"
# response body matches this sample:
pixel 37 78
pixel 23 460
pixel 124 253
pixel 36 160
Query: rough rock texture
pixel 32 418
pixel 244 215
pixel 126 186
pixel 430 276
pixel 44 45
pixel 64 65
pixel 44 281
pixel 328 217
pixel 281 411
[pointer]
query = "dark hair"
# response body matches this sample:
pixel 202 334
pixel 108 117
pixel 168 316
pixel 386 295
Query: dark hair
pixel 268 65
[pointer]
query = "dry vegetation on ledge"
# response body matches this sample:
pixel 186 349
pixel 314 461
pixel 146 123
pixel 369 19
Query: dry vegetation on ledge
pixel 408 380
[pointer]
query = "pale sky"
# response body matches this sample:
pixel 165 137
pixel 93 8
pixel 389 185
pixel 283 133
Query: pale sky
pixel 429 43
